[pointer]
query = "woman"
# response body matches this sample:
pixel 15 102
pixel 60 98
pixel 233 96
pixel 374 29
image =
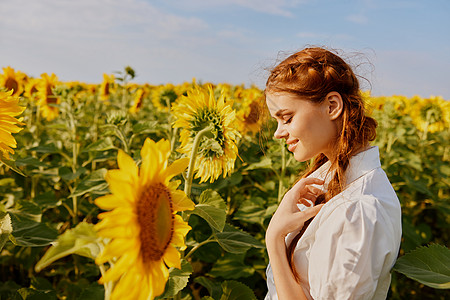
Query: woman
pixel 347 249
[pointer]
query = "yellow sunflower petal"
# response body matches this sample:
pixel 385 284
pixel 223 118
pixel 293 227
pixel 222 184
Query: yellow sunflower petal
pixel 110 201
pixel 126 288
pixel 172 257
pixel 127 164
pixel 176 168
pixel 122 265
pixel 158 270
pixel 181 202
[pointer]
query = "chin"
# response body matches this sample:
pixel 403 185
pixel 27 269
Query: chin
pixel 302 157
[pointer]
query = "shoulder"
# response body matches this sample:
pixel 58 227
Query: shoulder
pixel 369 200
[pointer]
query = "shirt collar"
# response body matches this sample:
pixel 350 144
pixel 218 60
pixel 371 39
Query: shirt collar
pixel 359 165
pixel 362 163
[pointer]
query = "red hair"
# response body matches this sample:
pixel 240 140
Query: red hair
pixel 311 74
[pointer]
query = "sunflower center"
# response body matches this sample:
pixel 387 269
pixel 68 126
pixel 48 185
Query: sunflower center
pixel 11 84
pixel 209 147
pixel 167 97
pixel 33 90
pixel 156 221
pixel 106 89
pixel 51 98
pixel 254 114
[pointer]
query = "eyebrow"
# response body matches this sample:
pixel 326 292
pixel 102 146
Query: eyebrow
pixel 280 112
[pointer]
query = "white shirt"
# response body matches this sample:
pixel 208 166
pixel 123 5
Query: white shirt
pixel 349 248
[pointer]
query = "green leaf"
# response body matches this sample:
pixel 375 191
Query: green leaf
pixel 100 145
pixel 93 292
pixel 5 228
pixel 264 163
pixel 414 236
pixel 212 198
pixel 251 211
pixel 81 240
pixel 144 126
pixel 234 290
pixel 236 241
pixel 29 233
pixel 212 208
pixel 214 289
pixel 231 266
pixel 49 148
pixel 178 279
pixel 47 200
pixel 27 209
pixel 427 265
pixel 8 290
pixel 11 164
pixel 32 294
pixel 66 173
pixel 94 182
pixel 30 161
pixel 214 216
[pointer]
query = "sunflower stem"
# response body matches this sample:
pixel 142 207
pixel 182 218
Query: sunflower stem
pixel 123 139
pixel 190 172
pixel 73 130
pixel 95 130
pixel 209 240
pixel 173 138
pixel 427 124
pixel 107 285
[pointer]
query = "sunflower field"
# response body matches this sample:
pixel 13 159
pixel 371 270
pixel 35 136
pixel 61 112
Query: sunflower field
pixel 122 190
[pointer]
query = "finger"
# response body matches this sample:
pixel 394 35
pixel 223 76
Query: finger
pixel 312 180
pixel 311 212
pixel 314 190
pixel 304 202
pixel 310 196
pixel 308 181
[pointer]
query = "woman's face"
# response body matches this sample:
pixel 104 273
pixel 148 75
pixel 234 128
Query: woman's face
pixel 307 127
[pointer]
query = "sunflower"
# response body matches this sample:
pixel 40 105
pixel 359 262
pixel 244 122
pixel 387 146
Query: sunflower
pixel 139 96
pixel 164 96
pixel 107 86
pixel 46 97
pixel 143 223
pixel 250 115
pixel 31 88
pixel 217 152
pixel 12 80
pixel 373 103
pixel 9 109
pixel 431 115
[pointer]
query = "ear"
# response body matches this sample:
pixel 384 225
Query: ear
pixel 334 104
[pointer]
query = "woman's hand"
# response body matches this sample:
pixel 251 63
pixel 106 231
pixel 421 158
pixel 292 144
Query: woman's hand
pixel 288 217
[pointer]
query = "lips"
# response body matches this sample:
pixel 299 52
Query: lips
pixel 292 145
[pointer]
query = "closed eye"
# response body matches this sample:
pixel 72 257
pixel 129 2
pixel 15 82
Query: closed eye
pixel 287 121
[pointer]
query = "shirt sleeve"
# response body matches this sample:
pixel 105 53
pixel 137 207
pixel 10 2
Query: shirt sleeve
pixel 350 251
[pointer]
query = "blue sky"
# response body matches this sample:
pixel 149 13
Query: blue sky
pixel 401 47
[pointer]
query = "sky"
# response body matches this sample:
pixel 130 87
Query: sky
pixel 397 47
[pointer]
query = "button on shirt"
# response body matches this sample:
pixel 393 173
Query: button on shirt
pixel 349 248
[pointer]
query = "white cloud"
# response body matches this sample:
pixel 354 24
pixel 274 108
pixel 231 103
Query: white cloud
pixel 80 40
pixel 112 18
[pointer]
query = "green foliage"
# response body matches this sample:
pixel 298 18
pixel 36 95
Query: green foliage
pixel 428 265
pixel 48 189
pixel 81 240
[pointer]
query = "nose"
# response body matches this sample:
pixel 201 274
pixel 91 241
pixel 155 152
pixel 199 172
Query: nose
pixel 280 132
